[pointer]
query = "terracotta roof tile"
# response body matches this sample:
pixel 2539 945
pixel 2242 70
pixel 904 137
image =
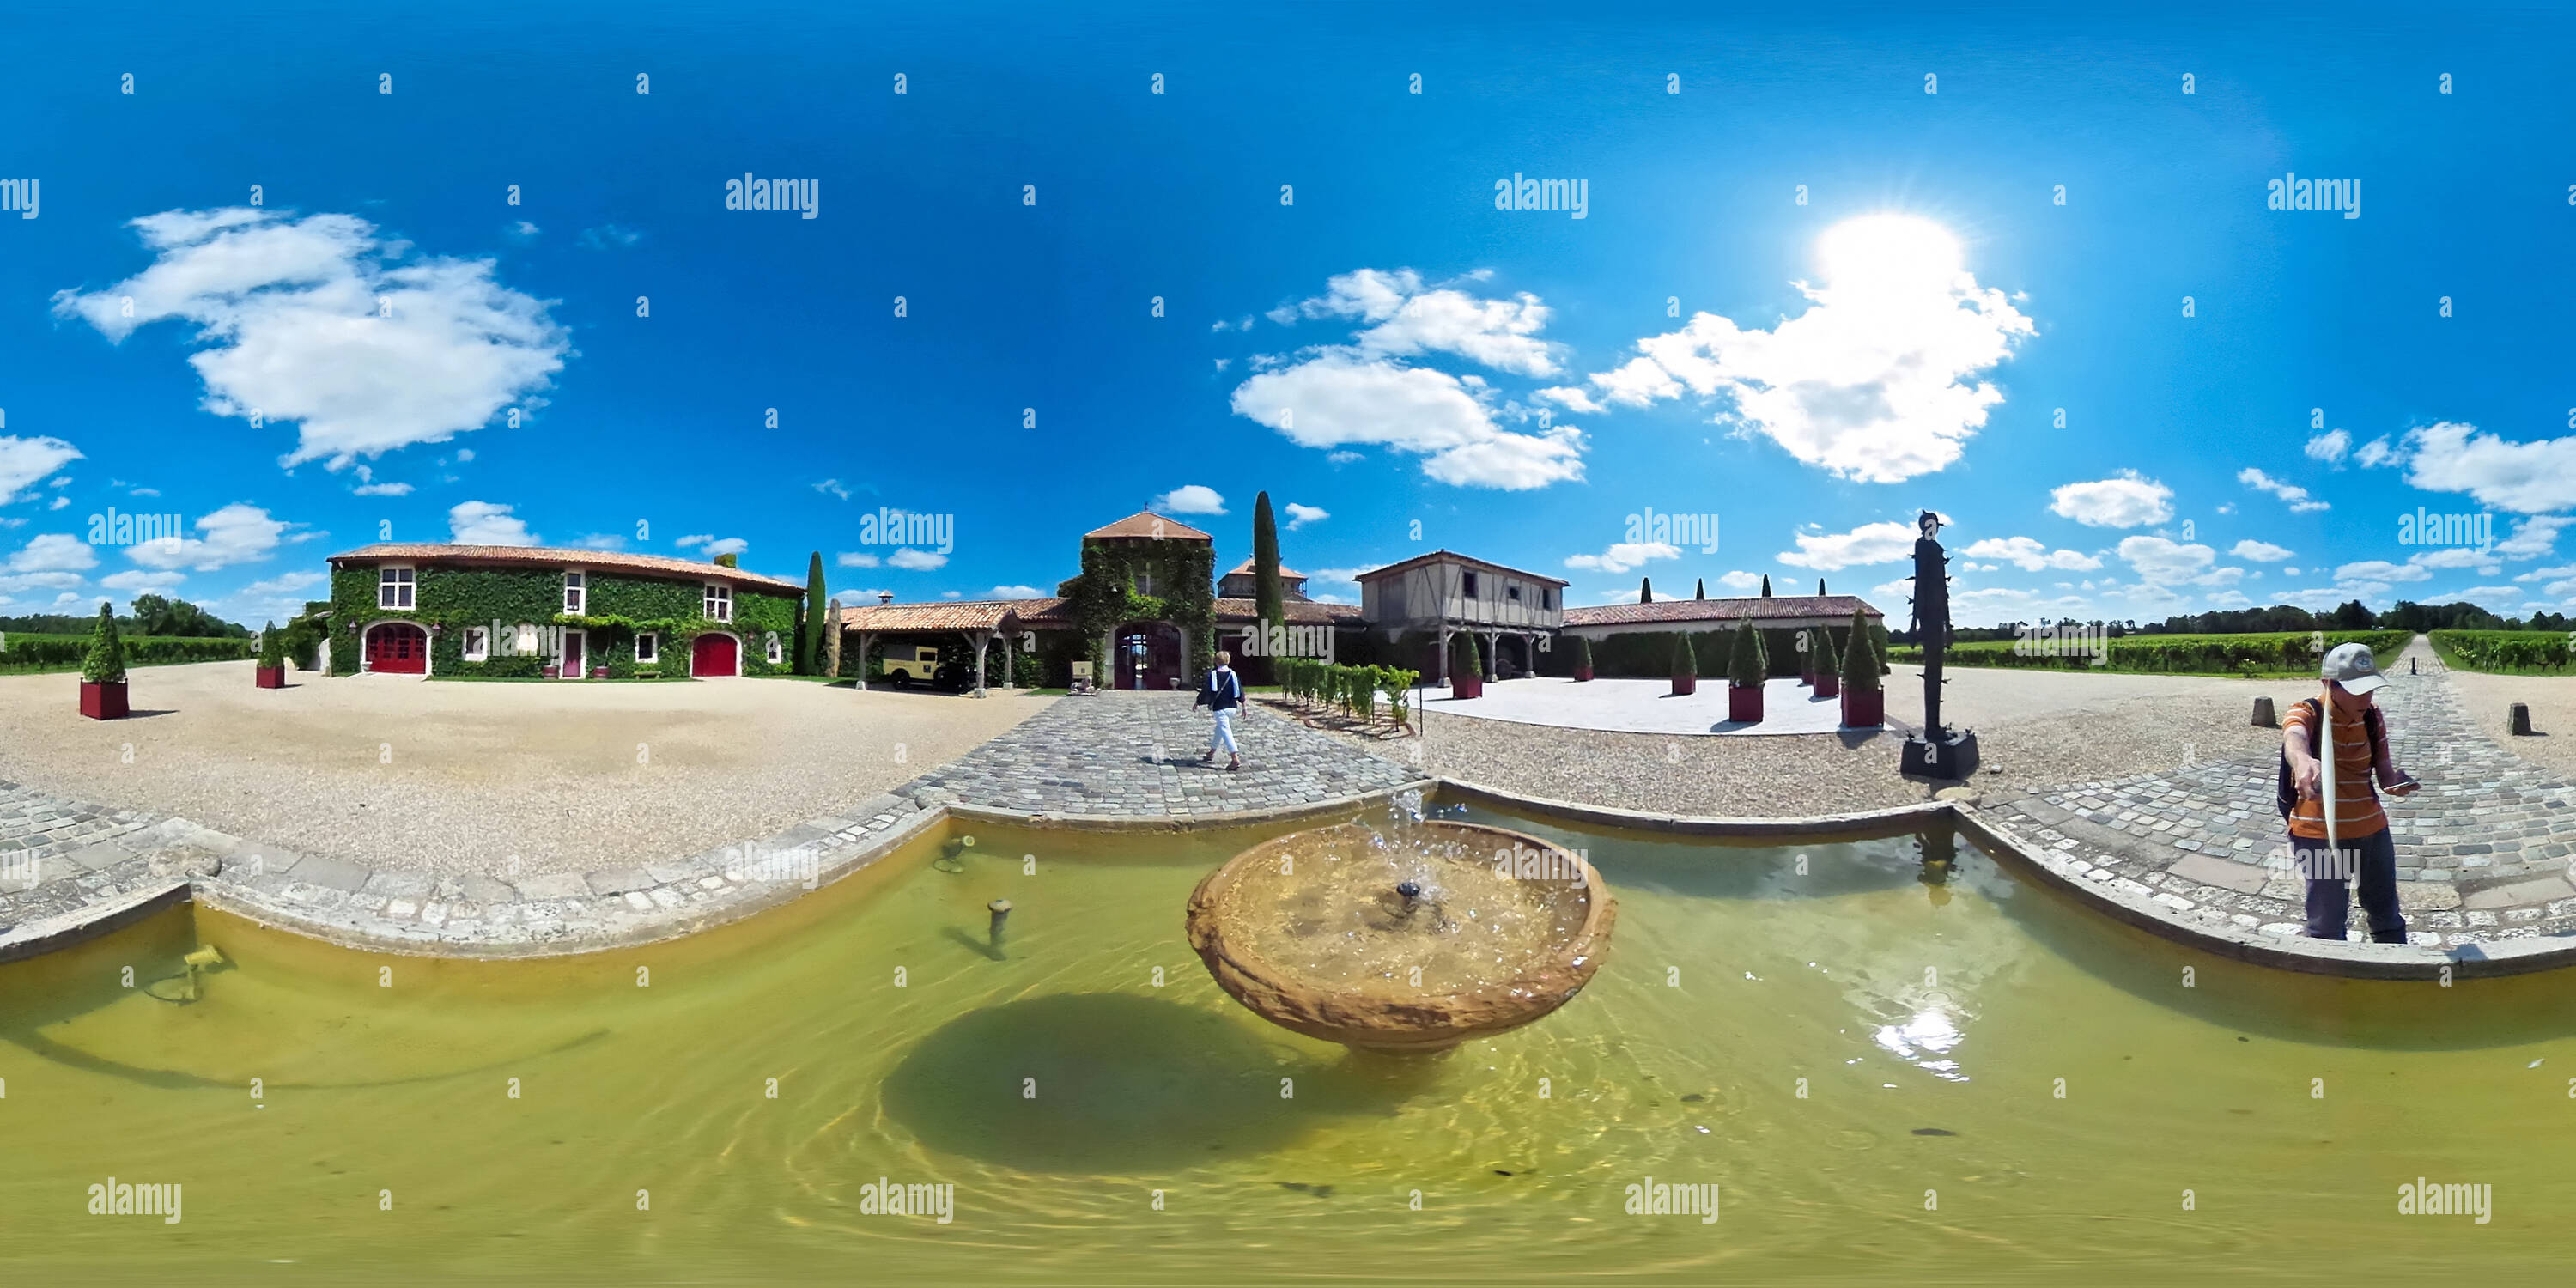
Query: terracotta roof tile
pixel 559 557
pixel 945 615
pixel 1146 523
pixel 1245 569
pixel 1419 560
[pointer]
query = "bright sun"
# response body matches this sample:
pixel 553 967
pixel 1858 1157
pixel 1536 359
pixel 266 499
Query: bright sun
pixel 1888 252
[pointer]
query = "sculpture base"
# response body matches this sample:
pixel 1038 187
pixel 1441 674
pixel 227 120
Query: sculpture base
pixel 1952 758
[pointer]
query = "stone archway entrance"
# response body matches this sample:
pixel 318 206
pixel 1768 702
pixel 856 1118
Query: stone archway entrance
pixel 1145 655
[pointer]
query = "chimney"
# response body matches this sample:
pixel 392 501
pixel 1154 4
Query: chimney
pixel 884 597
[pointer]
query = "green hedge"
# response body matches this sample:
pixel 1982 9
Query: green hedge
pixel 1354 689
pixel 52 652
pixel 2506 652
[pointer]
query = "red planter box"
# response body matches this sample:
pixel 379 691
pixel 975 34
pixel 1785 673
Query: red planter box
pixel 1582 673
pixel 1466 686
pixel 1744 703
pixel 1685 685
pixel 103 701
pixel 269 677
pixel 1828 684
pixel 1864 710
pixel 599 673
pixel 555 671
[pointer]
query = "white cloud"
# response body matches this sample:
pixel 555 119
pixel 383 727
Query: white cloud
pixel 40 580
pixel 54 552
pixel 1870 543
pixel 832 487
pixel 2296 496
pixel 1407 319
pixel 2261 552
pixel 23 461
pixel 725 546
pixel 608 237
pixel 522 231
pixel 694 539
pixel 856 559
pixel 2380 570
pixel 601 541
pixel 1738 580
pixel 2475 592
pixel 1875 382
pixel 2158 560
pixel 1017 592
pixel 235 534
pixel 1340 397
pixel 2030 555
pixel 382 489
pixel 2126 500
pixel 1340 458
pixel 289 312
pixel 1189 498
pixel 482 523
pixel 464 454
pixel 1301 515
pixel 2527 478
pixel 2329 446
pixel 916 560
pixel 1624 556
pixel 2377 454
pixel 138 582
pixel 2534 537
pixel 60 502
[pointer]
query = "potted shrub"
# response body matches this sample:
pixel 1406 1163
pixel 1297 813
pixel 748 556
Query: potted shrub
pixel 1864 701
pixel 1826 663
pixel 1811 659
pixel 1582 659
pixel 554 670
pixel 102 685
pixel 1685 666
pixel 1744 674
pixel 1467 670
pixel 271 671
pixel 599 673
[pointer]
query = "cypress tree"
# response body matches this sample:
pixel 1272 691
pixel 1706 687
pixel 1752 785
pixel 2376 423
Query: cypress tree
pixel 1702 591
pixel 809 626
pixel 1269 590
pixel 1645 590
pixel 1860 661
pixel 1766 585
pixel 1820 587
pixel 1747 668
pixel 106 661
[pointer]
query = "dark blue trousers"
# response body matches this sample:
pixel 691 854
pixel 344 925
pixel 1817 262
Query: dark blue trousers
pixel 2370 864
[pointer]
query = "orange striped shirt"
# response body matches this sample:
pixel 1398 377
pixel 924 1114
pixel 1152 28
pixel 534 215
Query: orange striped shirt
pixel 2357 811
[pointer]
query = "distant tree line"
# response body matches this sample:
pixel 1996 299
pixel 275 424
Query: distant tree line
pixel 147 615
pixel 2353 615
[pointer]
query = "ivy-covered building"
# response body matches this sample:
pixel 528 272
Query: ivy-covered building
pixel 436 609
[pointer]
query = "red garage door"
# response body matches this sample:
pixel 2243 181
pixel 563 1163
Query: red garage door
pixel 713 655
pixel 398 648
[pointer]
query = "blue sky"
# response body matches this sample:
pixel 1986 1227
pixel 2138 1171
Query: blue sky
pixel 1377 344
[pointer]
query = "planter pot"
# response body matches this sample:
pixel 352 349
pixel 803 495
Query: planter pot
pixel 599 673
pixel 1744 703
pixel 268 677
pixel 1828 684
pixel 1466 686
pixel 103 701
pixel 1864 710
pixel 554 671
pixel 1582 674
pixel 1685 685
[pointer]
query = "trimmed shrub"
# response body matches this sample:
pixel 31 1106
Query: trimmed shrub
pixel 1685 662
pixel 272 652
pixel 1861 665
pixel 1748 666
pixel 1466 657
pixel 106 661
pixel 1582 653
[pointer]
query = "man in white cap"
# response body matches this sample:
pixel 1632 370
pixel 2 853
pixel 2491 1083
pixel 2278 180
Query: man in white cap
pixel 2337 830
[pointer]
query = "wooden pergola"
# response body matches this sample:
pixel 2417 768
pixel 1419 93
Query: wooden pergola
pixel 980 621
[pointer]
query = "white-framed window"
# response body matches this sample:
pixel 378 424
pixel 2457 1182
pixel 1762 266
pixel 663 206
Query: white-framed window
pixel 719 606
pixel 478 643
pixel 576 594
pixel 776 654
pixel 526 634
pixel 1144 581
pixel 648 648
pixel 393 587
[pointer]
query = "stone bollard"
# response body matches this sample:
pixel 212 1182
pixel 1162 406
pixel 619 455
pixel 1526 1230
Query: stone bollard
pixel 2263 717
pixel 2518 720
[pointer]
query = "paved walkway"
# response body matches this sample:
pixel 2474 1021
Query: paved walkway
pixel 2482 851
pixel 1134 755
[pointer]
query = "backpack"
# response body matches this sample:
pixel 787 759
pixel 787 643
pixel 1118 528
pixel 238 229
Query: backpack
pixel 2285 791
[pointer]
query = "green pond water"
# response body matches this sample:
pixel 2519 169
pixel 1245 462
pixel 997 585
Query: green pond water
pixel 1812 1029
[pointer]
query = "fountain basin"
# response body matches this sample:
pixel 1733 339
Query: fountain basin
pixel 1309 931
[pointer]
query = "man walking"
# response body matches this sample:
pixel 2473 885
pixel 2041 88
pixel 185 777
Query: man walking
pixel 2332 747
pixel 1222 693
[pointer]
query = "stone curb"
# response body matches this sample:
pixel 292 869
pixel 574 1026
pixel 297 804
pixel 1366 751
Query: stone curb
pixel 1895 820
pixel 1183 822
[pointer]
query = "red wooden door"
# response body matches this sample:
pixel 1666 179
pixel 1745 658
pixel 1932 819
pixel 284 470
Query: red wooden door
pixel 398 648
pixel 576 655
pixel 712 655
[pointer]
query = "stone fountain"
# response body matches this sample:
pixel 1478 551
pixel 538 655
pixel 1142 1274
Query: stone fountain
pixel 1409 939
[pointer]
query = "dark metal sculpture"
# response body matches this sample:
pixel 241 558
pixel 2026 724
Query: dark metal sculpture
pixel 1938 752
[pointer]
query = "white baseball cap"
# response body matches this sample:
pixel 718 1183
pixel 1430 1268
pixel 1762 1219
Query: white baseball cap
pixel 2350 665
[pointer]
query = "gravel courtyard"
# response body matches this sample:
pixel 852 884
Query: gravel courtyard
pixel 2553 714
pixel 482 772
pixel 2034 729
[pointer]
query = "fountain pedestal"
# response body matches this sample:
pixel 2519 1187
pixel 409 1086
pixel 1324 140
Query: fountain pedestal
pixel 1315 932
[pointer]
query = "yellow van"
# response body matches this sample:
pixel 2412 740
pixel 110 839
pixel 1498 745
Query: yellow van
pixel 911 663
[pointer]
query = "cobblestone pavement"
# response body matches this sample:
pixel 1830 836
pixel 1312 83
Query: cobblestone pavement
pixel 2482 851
pixel 64 864
pixel 1137 754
